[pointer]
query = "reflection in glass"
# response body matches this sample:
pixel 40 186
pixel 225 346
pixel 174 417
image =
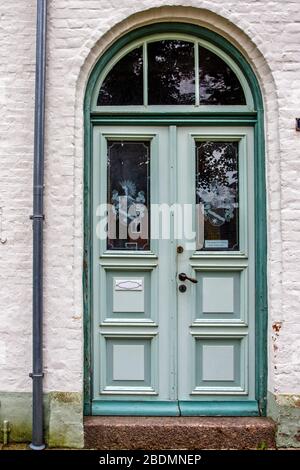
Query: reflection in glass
pixel 128 191
pixel 124 83
pixel 171 72
pixel 217 193
pixel 218 83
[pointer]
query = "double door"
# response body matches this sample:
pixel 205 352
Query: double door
pixel 173 271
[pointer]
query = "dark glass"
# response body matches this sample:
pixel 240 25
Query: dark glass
pixel 217 192
pixel 171 72
pixel 128 175
pixel 218 83
pixel 124 83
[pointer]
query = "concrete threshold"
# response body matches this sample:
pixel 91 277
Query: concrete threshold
pixel 184 433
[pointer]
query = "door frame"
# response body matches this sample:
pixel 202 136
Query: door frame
pixel 201 118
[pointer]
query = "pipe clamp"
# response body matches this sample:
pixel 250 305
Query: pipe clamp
pixel 33 376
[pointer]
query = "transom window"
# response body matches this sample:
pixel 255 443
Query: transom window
pixel 177 71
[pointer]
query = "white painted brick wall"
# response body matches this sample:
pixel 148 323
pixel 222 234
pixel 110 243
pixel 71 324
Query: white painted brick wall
pixel 267 32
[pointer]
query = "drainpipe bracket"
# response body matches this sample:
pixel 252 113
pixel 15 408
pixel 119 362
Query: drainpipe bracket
pixel 33 376
pixel 33 217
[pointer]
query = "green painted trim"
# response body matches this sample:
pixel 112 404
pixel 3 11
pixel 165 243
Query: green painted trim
pixel 261 250
pixel 218 408
pixel 179 119
pixel 135 408
pixel 206 115
pixel 184 119
pixel 87 271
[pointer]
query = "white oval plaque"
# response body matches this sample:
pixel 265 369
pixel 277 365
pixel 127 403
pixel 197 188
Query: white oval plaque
pixel 129 284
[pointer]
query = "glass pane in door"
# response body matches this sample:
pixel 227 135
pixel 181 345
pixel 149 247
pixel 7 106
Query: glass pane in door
pixel 217 195
pixel 128 194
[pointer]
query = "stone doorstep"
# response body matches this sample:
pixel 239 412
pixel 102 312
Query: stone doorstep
pixel 185 433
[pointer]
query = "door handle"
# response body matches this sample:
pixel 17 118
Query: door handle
pixel 183 277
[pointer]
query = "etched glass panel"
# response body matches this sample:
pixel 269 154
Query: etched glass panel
pixel 218 83
pixel 217 195
pixel 171 73
pixel 124 83
pixel 128 193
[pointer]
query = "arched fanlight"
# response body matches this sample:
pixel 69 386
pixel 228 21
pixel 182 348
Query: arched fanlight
pixel 171 72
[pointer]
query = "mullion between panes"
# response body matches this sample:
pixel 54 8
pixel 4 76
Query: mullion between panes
pixel 145 74
pixel 197 78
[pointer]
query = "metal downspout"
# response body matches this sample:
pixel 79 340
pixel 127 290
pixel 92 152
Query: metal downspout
pixel 37 226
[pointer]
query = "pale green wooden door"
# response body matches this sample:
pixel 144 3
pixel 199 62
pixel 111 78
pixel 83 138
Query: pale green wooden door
pixel 162 346
pixel 216 315
pixel 134 280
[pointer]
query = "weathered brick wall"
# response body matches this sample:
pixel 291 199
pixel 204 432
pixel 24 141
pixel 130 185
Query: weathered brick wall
pixel 17 59
pixel 267 32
